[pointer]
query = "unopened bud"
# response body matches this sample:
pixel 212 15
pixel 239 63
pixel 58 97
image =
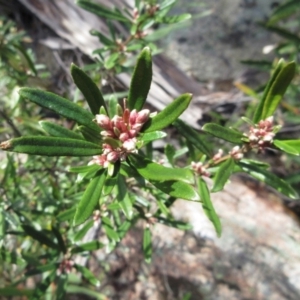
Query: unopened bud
pixel 103 121
pixel 143 116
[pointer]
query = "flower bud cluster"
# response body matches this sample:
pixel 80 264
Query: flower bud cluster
pixel 65 267
pixel 261 135
pixel 124 130
pixel 199 168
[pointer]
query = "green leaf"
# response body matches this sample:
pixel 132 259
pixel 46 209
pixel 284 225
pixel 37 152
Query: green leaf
pixel 288 146
pixel 39 236
pixel 208 206
pixel 111 61
pixel 88 88
pixel 60 105
pixel 80 233
pixel 101 11
pixel 103 39
pixel 193 137
pixel 223 173
pixel 123 197
pixel 223 133
pixel 40 289
pixel 284 10
pixel 140 81
pixel 275 89
pixel 60 240
pixel 174 19
pixel 153 171
pixel 170 152
pixel 147 245
pixel 11 257
pixel 85 169
pixel 61 287
pixel 170 114
pixel 51 146
pixel 174 223
pixel 88 275
pixel 90 198
pixel 270 179
pixel 11 291
pixel 90 246
pixel 283 33
pixel 59 131
pixel 66 215
pixel 177 189
pixel 41 269
pixel 91 135
pixel 109 229
pixel 152 136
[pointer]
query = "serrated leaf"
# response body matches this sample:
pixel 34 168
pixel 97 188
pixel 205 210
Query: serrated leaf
pixel 222 175
pixel 39 236
pixel 153 171
pixel 177 189
pixel 51 146
pixel 102 11
pixel 223 133
pixel 270 179
pixel 59 131
pixel 88 88
pixel 147 245
pixel 168 115
pixel 193 137
pixel 275 89
pixel 208 206
pixel 88 275
pixel 140 81
pixel 288 146
pixel 60 105
pixel 90 198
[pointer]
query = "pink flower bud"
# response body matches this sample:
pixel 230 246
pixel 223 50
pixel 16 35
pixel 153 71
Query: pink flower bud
pixel 113 156
pixel 126 116
pixel 123 137
pixel 130 145
pixel 132 133
pixel 143 116
pixel 107 133
pixel 132 117
pixel 103 121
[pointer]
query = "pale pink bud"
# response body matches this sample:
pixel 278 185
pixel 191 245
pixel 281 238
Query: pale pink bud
pixel 218 155
pixel 112 156
pixel 268 137
pixel 143 116
pixel 137 126
pixel 129 145
pixel 107 133
pixel 123 137
pixel 103 121
pixel 132 133
pixel 132 117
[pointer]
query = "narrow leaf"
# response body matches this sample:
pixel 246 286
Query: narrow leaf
pixel 223 133
pixel 288 146
pixel 41 269
pixel 80 233
pixel 147 245
pixel 90 198
pixel 90 246
pixel 59 131
pixel 174 19
pixel 39 236
pixel 152 136
pixel 141 80
pixel 177 189
pixel 88 275
pixel 223 173
pixel 101 11
pixel 153 171
pixel 275 89
pixel 208 206
pixel 170 114
pixel 51 146
pixel 193 137
pixel 270 179
pixel 60 105
pixel 88 88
